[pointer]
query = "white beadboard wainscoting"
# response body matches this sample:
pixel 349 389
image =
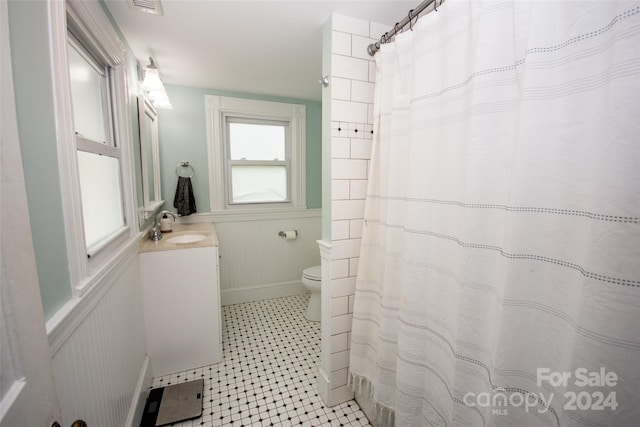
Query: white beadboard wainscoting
pixel 102 373
pixel 257 264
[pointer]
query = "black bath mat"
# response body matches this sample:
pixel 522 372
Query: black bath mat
pixel 174 403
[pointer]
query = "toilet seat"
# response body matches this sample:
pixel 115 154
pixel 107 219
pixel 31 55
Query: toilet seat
pixel 312 273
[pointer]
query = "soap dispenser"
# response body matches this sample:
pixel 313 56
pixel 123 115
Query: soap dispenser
pixel 165 223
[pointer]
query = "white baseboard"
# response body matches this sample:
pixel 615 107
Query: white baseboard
pixel 332 396
pixel 324 386
pixel 340 395
pixel 261 292
pixel 140 395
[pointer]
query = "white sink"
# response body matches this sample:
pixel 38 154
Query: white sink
pixel 186 238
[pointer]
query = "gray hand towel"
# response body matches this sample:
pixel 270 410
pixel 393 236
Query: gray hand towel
pixel 184 201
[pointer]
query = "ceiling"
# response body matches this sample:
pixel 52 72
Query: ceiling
pixel 260 47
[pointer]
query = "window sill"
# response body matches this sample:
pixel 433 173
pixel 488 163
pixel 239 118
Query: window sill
pixel 239 215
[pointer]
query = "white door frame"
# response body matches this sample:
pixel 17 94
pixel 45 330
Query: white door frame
pixel 27 393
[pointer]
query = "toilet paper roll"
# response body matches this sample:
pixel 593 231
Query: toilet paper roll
pixel 290 235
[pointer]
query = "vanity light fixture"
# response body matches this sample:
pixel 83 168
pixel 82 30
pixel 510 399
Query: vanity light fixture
pixel 153 87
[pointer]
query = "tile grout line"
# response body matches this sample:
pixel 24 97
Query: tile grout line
pixel 268 376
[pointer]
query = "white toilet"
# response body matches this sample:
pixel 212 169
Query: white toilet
pixel 311 279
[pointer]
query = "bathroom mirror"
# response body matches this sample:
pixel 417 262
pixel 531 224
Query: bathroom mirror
pixel 150 157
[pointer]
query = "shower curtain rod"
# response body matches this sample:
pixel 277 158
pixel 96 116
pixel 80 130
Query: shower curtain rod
pixel 413 13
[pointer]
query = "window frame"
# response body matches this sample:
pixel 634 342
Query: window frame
pixel 91 28
pixel 110 147
pixel 150 157
pixel 218 109
pixel 106 88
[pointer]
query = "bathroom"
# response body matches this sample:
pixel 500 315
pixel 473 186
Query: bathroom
pixel 80 326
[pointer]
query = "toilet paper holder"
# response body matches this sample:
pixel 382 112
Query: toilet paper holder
pixel 284 233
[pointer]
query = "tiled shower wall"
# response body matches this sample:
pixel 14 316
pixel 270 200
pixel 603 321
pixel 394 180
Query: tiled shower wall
pixel 351 96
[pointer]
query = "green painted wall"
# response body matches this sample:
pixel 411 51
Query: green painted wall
pixel 28 27
pixel 183 137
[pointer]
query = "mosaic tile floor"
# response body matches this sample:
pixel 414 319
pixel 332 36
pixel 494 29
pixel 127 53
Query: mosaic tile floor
pixel 268 373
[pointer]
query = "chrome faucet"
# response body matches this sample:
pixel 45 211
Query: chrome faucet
pixel 156 233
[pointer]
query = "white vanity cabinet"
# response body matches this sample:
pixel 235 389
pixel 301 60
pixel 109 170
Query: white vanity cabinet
pixel 181 300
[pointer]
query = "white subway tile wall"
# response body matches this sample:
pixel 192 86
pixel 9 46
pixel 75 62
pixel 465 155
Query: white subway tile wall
pixel 339 231
pixel 355 228
pixel 339 306
pixel 341 43
pixel 341 88
pixel 340 189
pixel 340 269
pixel 353 266
pixel 341 324
pixel 339 361
pixel 347 209
pixel 347 24
pixel 342 287
pixel 339 342
pixel 358 189
pixel 352 93
pixel 345 249
pixel 340 148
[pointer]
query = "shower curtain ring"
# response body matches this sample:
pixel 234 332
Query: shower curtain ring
pixel 395 27
pixel 410 20
pixel 435 5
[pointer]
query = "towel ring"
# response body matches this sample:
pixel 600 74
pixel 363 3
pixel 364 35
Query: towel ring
pixel 185 165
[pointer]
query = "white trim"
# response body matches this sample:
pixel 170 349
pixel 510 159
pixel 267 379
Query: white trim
pixel 325 249
pixel 67 156
pixel 146 109
pixel 217 107
pixel 325 322
pixel 324 386
pixel 261 292
pixel 214 154
pixel 251 215
pixel 67 319
pixel 140 394
pixel 99 246
pixel 11 396
pixel 340 395
pixel 122 117
pixel 90 146
pixel 89 19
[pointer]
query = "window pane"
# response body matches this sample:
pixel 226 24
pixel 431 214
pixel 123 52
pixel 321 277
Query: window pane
pixel 101 196
pixel 86 94
pixel 256 141
pixel 254 184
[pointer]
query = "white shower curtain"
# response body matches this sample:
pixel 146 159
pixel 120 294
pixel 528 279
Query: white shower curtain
pixel 499 274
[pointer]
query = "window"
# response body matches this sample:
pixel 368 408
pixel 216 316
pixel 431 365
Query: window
pixel 98 155
pixel 257 161
pixel 93 138
pixel 256 154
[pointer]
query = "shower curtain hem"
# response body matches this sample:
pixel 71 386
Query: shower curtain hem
pixel 379 415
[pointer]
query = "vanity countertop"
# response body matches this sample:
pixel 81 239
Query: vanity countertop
pixel 205 229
